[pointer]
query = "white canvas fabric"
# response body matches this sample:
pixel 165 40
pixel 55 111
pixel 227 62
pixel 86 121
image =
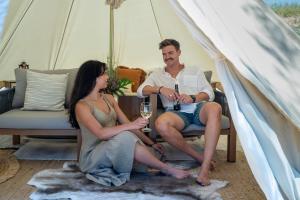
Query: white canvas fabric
pixel 257 58
pixel 80 31
pixel 45 91
pixel 32 35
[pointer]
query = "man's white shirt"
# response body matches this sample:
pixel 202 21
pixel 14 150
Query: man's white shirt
pixel 191 81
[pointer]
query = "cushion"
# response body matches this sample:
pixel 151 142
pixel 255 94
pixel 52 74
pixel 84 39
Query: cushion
pixel 21 83
pixel 208 75
pixel 136 75
pixel 45 91
pixel 19 119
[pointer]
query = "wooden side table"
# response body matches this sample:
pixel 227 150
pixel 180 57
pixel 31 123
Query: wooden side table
pixel 130 105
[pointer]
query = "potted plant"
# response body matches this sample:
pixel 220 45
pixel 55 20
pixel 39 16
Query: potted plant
pixel 115 85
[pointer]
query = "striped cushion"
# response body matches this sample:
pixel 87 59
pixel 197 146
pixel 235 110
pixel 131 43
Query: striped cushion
pixel 45 91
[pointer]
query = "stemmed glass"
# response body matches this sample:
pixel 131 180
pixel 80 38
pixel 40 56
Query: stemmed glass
pixel 146 112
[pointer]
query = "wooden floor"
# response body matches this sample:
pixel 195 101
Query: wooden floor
pixel 16 188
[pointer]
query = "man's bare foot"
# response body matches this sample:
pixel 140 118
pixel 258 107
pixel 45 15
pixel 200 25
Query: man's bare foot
pixel 177 173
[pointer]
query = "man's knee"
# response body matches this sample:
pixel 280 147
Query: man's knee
pixel 162 125
pixel 214 110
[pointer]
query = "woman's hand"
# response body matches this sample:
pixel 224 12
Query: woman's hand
pixel 139 123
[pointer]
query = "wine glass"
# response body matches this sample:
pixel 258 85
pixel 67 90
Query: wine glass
pixel 146 112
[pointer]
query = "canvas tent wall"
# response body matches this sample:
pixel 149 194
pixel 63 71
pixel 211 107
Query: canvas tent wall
pixel 65 33
pixel 257 58
pixel 256 54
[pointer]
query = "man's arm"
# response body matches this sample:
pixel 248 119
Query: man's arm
pixel 205 90
pixel 148 90
pixel 151 86
pixel 186 99
pixel 148 87
pixel 201 96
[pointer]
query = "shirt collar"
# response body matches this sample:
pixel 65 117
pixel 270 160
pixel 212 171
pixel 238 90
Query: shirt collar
pixel 169 75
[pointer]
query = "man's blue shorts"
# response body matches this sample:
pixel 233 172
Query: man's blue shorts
pixel 191 118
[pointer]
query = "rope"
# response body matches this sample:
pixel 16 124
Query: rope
pixel 156 22
pixel 63 35
pixel 13 32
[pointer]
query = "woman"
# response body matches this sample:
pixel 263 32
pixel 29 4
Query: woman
pixel 108 150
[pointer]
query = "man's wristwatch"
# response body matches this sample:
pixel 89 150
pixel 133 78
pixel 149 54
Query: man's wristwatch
pixel 193 97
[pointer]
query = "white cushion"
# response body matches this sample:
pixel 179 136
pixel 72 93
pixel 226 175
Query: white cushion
pixel 45 91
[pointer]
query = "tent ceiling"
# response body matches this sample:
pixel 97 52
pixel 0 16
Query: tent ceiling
pixel 43 40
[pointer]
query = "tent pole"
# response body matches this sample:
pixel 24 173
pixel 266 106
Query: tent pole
pixel 111 41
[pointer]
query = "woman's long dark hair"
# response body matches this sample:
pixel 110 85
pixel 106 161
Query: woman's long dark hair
pixel 84 83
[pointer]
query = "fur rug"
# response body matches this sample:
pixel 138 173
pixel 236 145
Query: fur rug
pixel 69 183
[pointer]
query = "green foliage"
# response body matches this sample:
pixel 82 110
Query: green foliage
pixel 287 10
pixel 291 14
pixel 116 86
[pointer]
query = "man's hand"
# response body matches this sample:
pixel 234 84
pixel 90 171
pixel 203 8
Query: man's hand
pixel 185 99
pixel 169 93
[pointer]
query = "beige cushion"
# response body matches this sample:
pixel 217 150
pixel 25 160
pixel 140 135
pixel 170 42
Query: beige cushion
pixel 45 91
pixel 208 75
pixel 33 119
pixel 21 82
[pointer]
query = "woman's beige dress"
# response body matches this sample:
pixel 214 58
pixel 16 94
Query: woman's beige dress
pixel 108 162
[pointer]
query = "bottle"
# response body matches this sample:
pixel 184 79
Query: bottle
pixel 176 102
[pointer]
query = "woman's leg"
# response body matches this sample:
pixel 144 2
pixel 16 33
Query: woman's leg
pixel 143 155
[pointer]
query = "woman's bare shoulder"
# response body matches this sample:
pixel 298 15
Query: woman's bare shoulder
pixel 110 98
pixel 81 105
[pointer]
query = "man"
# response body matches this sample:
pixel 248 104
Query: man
pixel 195 96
